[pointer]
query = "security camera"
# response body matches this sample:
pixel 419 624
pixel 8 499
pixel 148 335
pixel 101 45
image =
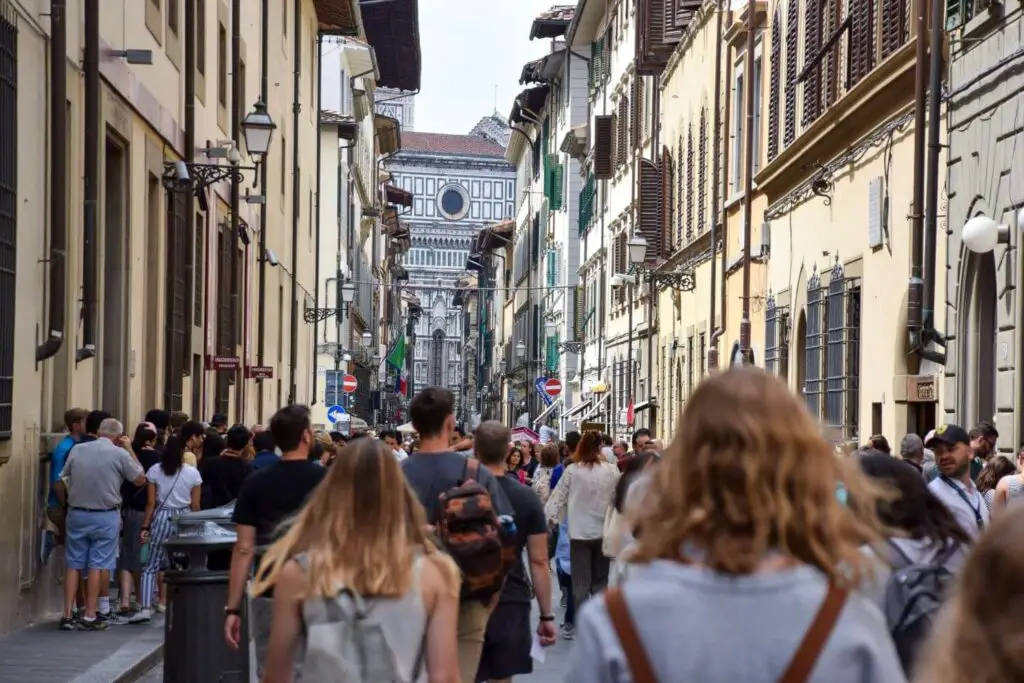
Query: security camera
pixel 616 281
pixel 181 172
pixel 272 258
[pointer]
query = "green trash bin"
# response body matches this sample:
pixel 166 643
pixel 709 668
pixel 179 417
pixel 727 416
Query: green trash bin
pixel 197 591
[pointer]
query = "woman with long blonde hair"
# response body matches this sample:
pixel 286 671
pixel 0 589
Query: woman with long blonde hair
pixel 744 563
pixel 979 632
pixel 361 538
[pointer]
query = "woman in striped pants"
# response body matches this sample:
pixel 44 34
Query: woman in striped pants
pixel 174 488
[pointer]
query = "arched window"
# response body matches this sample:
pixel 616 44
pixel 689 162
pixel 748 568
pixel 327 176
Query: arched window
pixel 702 173
pixel 437 359
pixel 774 93
pixel 691 208
pixel 792 70
pixel 814 344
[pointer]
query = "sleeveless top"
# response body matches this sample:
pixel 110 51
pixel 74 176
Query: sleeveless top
pixel 403 621
pixel 1014 490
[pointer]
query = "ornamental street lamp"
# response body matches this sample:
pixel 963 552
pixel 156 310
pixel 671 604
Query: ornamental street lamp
pixel 520 350
pixel 346 294
pixel 367 338
pixel 258 129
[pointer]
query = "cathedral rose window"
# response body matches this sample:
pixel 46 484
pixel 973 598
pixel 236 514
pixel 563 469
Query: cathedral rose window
pixel 453 201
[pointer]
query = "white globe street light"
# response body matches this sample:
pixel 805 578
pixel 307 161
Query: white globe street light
pixel 520 350
pixel 367 338
pixel 258 128
pixel 637 246
pixel 981 234
pixel 550 326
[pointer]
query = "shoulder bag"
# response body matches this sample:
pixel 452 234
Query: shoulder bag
pixel 798 671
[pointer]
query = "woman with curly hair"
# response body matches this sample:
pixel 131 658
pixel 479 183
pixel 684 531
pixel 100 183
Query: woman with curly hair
pixel 745 556
pixel 361 533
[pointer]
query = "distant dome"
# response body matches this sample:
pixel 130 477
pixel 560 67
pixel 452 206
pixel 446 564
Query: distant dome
pixel 493 128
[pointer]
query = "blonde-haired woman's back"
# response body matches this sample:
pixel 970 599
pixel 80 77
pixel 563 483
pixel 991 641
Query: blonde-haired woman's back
pixel 740 546
pixel 358 549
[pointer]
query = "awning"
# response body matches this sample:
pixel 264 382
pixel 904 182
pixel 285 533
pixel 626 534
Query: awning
pixel 336 17
pixel 547 411
pixel 392 28
pixel 528 104
pixel 598 407
pixel 389 134
pixel 552 23
pixel 361 59
pixel 494 236
pixel 543 70
pixel 396 195
pixel 576 410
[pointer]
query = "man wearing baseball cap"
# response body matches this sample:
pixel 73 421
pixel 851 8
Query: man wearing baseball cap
pixel 954 487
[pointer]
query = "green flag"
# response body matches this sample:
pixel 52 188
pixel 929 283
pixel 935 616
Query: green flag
pixel 396 358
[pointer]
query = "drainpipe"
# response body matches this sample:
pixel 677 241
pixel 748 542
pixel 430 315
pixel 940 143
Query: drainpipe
pixel 656 139
pixel 931 231
pixel 91 174
pixel 296 189
pixel 261 297
pixel 190 214
pixel 236 127
pixel 316 217
pixel 915 289
pixel 716 171
pixel 748 184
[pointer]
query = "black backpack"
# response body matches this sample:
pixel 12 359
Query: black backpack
pixel 914 594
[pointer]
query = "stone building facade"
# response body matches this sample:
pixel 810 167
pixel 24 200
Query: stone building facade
pixel 459 185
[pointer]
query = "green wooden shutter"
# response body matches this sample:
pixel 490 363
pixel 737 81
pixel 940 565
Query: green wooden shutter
pixel 555 199
pixel 956 14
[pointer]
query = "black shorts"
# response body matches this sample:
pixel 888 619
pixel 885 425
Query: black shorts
pixel 507 643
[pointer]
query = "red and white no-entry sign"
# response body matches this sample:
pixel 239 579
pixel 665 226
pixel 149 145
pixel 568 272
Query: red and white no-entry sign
pixel 552 387
pixel 349 384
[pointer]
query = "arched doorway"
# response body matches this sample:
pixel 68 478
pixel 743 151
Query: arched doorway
pixel 978 340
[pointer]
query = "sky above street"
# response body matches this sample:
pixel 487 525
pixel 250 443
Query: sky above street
pixel 469 47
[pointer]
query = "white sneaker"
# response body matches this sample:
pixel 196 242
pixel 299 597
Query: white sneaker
pixel 141 617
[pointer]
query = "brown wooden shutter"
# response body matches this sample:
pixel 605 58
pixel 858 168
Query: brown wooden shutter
pixel 636 120
pixel 829 63
pixel 604 127
pixel 691 209
pixel 616 266
pixel 894 26
pixel 671 32
pixel 862 40
pixel 812 43
pixel 622 149
pixel 774 86
pixel 666 202
pixel 702 174
pixel 649 220
pixel 792 70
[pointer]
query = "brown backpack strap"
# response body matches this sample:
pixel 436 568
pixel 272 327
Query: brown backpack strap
pixel 636 656
pixel 803 662
pixel 472 469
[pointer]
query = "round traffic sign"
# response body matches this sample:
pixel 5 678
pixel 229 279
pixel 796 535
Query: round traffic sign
pixel 349 384
pixel 552 387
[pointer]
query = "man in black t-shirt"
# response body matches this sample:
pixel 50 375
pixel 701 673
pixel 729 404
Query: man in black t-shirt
pixel 508 639
pixel 269 497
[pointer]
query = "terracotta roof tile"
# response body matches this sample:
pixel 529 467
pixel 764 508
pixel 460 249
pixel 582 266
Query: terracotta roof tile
pixel 445 143
pixel 558 13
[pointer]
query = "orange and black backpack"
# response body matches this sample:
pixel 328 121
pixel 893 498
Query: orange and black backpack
pixel 482 543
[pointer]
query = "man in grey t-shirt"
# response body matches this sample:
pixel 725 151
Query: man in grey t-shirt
pixel 92 478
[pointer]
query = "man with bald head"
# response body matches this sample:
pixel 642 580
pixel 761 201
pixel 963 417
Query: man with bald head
pixel 91 485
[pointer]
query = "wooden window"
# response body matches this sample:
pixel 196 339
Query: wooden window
pixel 774 88
pixel 895 26
pixel 691 208
pixel 666 201
pixel 738 120
pixel 862 40
pixel 604 127
pixel 8 218
pixel 200 36
pixel 198 272
pixel 636 128
pixel 222 66
pixel 680 194
pixel 622 141
pixel 830 21
pixel 812 45
pixel 702 173
pixel 650 203
pixel 173 16
pixel 792 70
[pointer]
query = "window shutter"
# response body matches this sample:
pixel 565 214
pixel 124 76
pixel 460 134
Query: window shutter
pixel 957 13
pixel 680 194
pixel 666 202
pixel 555 200
pixel 650 207
pixel 894 26
pixel 830 79
pixel 702 174
pixel 792 42
pixel 691 208
pixel 862 40
pixel 771 336
pixel 622 148
pixel 547 176
pixel 578 304
pixel 617 266
pixel 774 86
pixel 671 32
pixel 812 43
pixel 635 120
pixel 604 127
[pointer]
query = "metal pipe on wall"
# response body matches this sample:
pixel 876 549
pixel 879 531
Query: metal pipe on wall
pixel 293 349
pixel 316 218
pixel 748 182
pixel 90 176
pixel 236 127
pixel 59 173
pixel 652 289
pixel 190 212
pixel 931 230
pixel 717 330
pixel 915 288
pixel 262 256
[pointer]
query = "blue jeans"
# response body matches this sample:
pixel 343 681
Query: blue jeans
pixel 565 583
pixel 92 539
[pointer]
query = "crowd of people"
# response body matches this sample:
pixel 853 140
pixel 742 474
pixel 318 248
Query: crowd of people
pixel 745 550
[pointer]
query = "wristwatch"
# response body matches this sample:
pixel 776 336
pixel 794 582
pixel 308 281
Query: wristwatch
pixel 550 617
pixel 232 612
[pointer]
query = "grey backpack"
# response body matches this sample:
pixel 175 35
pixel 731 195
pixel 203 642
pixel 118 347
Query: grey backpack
pixel 914 594
pixel 352 639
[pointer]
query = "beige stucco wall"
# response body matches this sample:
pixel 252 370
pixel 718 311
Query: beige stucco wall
pixel 142 108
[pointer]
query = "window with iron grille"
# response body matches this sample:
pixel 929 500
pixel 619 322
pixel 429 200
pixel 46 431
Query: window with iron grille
pixel 702 173
pixel 690 208
pixel 225 310
pixel 774 87
pixel 776 338
pixel 792 70
pixel 690 363
pixel 814 345
pixel 862 40
pixel 702 350
pixel 842 354
pixel 8 217
pixel 895 26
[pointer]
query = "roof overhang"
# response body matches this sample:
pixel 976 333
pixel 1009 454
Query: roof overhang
pixel 574 143
pixel 543 70
pixel 347 128
pixel 585 22
pixel 528 105
pixel 553 23
pixel 392 28
pixel 398 196
pixel 494 236
pixel 337 17
pixel 389 134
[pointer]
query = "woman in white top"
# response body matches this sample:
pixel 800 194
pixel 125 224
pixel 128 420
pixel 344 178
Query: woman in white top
pixel 174 488
pixel 586 490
